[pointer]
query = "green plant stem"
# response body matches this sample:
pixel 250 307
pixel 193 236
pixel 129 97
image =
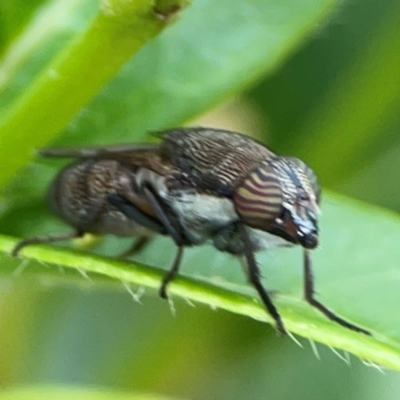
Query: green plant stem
pixel 119 30
pixel 298 316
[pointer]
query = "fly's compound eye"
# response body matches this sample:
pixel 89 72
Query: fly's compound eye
pixel 302 192
pixel 312 180
pixel 258 200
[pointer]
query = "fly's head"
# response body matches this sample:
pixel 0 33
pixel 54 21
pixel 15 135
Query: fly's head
pixel 281 196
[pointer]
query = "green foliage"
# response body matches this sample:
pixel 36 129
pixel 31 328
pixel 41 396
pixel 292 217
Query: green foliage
pixel 61 393
pixel 61 82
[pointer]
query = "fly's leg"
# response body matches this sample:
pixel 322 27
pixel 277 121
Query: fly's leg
pixel 45 239
pixel 137 246
pixel 309 296
pixel 255 280
pixel 128 209
pixel 173 230
pixel 132 212
pixel 172 273
pixel 119 202
pixel 164 225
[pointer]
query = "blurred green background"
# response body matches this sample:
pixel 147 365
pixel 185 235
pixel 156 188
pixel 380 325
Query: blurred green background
pixel 332 97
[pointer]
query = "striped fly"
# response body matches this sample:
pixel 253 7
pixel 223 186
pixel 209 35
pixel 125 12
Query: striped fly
pixel 197 185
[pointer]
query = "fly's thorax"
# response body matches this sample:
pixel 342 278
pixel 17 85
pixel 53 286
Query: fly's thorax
pixel 281 196
pixel 200 214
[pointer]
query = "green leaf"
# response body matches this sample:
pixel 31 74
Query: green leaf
pixel 206 57
pixel 76 393
pixel 356 275
pixel 358 114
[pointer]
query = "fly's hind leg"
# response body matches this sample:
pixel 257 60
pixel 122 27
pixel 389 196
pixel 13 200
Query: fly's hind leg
pixel 137 246
pixel 45 239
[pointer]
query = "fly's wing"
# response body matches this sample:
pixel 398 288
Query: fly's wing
pixel 213 160
pixel 98 151
pixel 135 155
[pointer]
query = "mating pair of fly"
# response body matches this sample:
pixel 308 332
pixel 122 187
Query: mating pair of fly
pixel 198 185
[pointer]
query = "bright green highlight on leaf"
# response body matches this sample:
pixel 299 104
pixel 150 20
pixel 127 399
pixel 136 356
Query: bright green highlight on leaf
pixel 75 393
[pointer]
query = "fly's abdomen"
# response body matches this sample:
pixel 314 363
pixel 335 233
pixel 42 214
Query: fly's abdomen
pixel 68 196
pixel 80 193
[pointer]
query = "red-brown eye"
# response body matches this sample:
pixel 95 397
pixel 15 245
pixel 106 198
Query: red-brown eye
pixel 258 200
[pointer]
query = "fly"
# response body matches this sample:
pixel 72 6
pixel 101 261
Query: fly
pixel 196 185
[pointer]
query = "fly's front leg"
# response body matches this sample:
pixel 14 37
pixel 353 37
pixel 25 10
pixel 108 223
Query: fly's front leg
pixel 309 295
pixel 255 280
pixel 44 240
